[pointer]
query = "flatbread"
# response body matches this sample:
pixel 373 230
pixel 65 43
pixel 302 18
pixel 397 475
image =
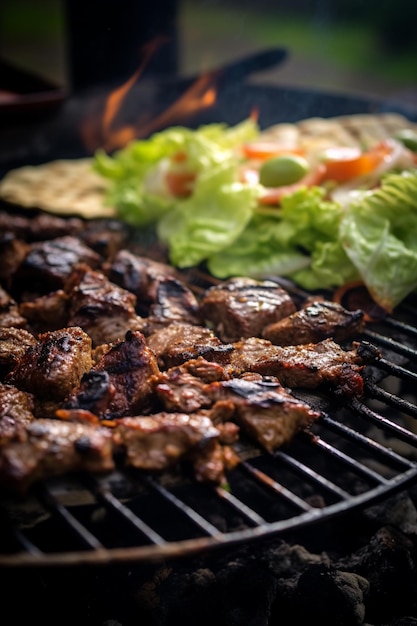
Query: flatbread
pixel 62 187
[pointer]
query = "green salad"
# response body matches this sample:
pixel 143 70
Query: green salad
pixel 188 185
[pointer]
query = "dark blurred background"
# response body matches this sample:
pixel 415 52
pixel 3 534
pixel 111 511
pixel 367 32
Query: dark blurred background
pixel 348 46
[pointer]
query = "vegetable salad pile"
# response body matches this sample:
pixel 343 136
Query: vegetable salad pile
pixel 220 196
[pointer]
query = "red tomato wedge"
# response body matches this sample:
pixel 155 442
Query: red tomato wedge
pixel 274 195
pixel 343 163
pixel 266 150
pixel 180 183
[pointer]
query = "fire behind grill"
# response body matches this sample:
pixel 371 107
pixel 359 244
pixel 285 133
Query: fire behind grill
pixel 355 455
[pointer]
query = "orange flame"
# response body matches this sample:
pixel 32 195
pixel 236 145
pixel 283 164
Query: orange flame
pixel 106 134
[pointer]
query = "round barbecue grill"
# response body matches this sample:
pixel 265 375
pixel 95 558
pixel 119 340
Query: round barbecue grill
pixel 355 455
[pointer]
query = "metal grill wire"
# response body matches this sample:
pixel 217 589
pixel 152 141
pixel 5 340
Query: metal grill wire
pixel 354 455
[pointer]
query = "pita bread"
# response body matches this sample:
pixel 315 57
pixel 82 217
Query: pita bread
pixel 62 187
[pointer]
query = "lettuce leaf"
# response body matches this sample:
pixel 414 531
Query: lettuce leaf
pixel 379 235
pixel 130 170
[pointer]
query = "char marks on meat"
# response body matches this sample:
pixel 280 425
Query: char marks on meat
pixel 242 307
pixel 310 365
pixel 13 345
pixel 51 447
pixel 181 342
pixel 54 365
pixel 48 264
pixel 159 441
pixel 107 355
pixel 101 308
pixel 16 412
pixel 316 321
pixel 130 366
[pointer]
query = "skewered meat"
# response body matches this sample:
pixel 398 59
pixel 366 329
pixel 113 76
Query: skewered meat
pixel 53 367
pixel 309 365
pixel 51 447
pixel 242 307
pixel 102 309
pixel 180 342
pixel 16 412
pixel 13 345
pixel 40 226
pixel 267 411
pixel 317 321
pixel 159 441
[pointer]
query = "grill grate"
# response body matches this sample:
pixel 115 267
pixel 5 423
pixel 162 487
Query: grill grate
pixel 354 456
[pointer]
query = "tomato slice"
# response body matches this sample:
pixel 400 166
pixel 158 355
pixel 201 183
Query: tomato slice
pixel 180 183
pixel 274 195
pixel 266 149
pixel 345 163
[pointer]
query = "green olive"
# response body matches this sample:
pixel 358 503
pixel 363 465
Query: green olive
pixel 283 170
pixel 408 137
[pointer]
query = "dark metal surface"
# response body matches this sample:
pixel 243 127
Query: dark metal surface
pixel 355 455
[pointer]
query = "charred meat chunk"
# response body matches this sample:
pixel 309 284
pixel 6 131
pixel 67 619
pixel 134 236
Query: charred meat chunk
pixel 9 312
pixel 40 226
pixel 184 388
pixel 13 345
pixel 54 366
pixel 175 302
pixel 242 307
pixel 130 365
pixel 105 236
pixel 52 447
pixel 101 308
pixel 94 393
pixel 140 275
pixel 308 365
pixel 47 312
pixel 159 441
pixel 180 342
pixel 266 410
pixel 13 251
pixel 48 264
pixel 316 321
pixel 16 412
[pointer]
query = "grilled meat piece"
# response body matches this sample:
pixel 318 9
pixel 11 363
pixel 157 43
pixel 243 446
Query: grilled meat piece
pixel 48 264
pixel 40 226
pixel 101 308
pixel 183 388
pixel 16 412
pixel 139 275
pixel 161 440
pixel 131 366
pixel 54 366
pixel 316 321
pixel 266 410
pixel 242 307
pixel 309 365
pixel 47 312
pixel 179 342
pixel 52 447
pixel 174 302
pixel 13 251
pixel 9 312
pixel 105 236
pixel 94 393
pixel 13 345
